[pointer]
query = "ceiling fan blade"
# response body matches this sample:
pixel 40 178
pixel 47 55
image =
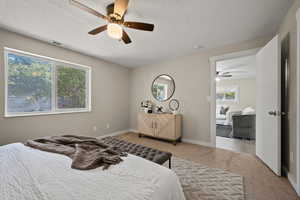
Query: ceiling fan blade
pixel 121 7
pixel 223 73
pixel 225 76
pixel 126 39
pixel 98 30
pixel 139 26
pixel 238 72
pixel 87 9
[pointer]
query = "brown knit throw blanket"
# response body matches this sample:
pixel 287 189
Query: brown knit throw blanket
pixel 86 152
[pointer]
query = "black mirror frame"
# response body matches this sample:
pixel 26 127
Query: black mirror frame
pixel 172 92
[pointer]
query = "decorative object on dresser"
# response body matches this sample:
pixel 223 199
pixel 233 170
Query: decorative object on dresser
pixel 163 87
pixel 164 126
pixel 159 109
pixel 174 106
pixel 147 106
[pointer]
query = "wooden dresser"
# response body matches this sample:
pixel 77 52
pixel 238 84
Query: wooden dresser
pixel 165 126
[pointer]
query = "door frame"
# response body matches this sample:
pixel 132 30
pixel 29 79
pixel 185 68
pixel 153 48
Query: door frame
pixel 213 60
pixel 285 77
pixel 298 104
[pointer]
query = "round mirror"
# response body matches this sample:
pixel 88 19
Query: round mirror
pixel 163 87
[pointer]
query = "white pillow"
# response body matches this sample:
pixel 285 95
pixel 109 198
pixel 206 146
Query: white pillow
pixel 248 111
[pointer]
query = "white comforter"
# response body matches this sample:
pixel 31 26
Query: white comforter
pixel 29 174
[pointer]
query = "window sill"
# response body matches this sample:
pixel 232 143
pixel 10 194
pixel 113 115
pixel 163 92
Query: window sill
pixel 45 113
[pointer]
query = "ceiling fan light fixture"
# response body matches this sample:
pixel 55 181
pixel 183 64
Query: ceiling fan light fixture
pixel 115 18
pixel 114 31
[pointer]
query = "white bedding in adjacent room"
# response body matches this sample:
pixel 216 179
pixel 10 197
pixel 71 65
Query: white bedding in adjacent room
pixel 30 174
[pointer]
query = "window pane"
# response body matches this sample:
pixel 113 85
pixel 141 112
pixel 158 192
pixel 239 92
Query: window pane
pixel 29 84
pixel 230 95
pixel 220 96
pixel 71 87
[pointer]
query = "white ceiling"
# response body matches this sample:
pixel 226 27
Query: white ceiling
pixel 239 68
pixel 180 25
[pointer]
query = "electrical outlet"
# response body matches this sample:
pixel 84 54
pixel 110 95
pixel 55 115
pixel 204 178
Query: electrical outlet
pixel 95 128
pixel 107 126
pixel 292 157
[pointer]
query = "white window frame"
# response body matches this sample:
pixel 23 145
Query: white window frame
pixel 54 62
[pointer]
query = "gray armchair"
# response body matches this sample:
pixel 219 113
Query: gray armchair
pixel 243 126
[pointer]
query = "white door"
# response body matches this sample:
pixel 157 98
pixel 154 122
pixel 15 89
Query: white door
pixel 268 137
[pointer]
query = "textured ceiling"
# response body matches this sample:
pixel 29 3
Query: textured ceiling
pixel 180 25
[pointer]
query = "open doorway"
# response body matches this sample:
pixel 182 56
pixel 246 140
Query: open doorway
pixel 271 80
pixel 236 103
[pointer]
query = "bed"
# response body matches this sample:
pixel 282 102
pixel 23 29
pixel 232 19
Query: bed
pixel 30 174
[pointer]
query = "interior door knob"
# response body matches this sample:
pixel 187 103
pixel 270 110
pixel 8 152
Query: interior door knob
pixel 273 112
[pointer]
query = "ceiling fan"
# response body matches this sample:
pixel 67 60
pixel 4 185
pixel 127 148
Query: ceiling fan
pixel 228 74
pixel 223 74
pixel 115 20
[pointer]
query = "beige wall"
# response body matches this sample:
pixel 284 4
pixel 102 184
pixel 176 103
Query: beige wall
pixel 110 91
pixel 110 95
pixel 247 93
pixel 192 79
pixel 289 25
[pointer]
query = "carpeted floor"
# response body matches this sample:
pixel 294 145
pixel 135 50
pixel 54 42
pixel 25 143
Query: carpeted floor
pixel 203 183
pixel 260 183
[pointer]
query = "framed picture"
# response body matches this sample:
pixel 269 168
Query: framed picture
pixel 227 94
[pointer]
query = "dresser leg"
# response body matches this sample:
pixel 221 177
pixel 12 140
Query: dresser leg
pixel 169 163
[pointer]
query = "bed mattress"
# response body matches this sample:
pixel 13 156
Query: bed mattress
pixel 30 174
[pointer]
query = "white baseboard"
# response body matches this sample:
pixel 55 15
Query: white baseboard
pixel 293 183
pixel 133 131
pixel 207 144
pixel 115 133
